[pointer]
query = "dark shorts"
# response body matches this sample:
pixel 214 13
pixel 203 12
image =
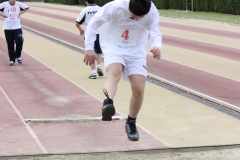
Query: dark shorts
pixel 97 47
pixel 15 35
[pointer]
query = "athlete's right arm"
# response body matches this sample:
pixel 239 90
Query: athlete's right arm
pixel 104 14
pixel 1 10
pixel 2 14
pixel 80 20
pixel 80 29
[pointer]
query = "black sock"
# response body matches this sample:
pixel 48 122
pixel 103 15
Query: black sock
pixel 107 101
pixel 130 119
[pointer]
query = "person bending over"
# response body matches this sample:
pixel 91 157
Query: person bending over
pixel 124 35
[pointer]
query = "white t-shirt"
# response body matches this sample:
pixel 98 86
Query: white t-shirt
pixel 122 35
pixel 12 11
pixel 86 14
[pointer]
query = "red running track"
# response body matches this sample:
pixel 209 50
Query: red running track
pixel 215 32
pixel 38 92
pixel 217 50
pixel 212 85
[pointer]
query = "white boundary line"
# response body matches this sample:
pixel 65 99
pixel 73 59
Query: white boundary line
pixel 205 97
pixel 22 119
pixel 59 120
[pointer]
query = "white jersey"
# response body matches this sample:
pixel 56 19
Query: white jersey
pixel 86 14
pixel 121 34
pixel 12 12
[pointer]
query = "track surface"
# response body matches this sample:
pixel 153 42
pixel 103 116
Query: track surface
pixel 52 83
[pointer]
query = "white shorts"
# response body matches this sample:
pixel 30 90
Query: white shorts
pixel 131 65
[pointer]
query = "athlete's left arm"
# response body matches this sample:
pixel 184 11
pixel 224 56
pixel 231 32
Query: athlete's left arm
pixel 23 8
pixel 155 36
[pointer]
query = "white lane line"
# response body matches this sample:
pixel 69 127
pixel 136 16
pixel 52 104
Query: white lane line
pixel 59 120
pixel 22 119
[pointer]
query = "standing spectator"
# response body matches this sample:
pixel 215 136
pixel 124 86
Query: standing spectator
pixel 11 12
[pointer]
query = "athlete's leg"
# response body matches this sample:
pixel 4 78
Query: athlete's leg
pixel 9 34
pixel 137 72
pixel 99 59
pixel 99 68
pixel 93 72
pixel 19 42
pixel 98 50
pixel 93 66
pixel 114 73
pixel 137 85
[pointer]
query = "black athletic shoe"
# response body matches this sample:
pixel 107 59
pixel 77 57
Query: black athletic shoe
pixel 108 109
pixel 131 130
pixel 100 72
pixel 19 60
pixel 92 76
pixel 11 63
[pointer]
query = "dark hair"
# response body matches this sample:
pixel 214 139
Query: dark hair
pixel 139 7
pixel 90 1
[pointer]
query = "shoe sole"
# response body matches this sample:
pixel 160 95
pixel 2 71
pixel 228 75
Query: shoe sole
pixel 92 77
pixel 108 112
pixel 19 62
pixel 100 73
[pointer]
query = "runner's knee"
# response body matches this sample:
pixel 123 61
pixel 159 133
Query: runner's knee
pixel 115 74
pixel 138 90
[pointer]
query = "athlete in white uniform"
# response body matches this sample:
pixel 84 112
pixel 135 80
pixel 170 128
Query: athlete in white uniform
pixel 84 17
pixel 124 33
pixel 11 12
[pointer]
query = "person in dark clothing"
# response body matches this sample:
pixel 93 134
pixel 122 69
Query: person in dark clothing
pixel 11 11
